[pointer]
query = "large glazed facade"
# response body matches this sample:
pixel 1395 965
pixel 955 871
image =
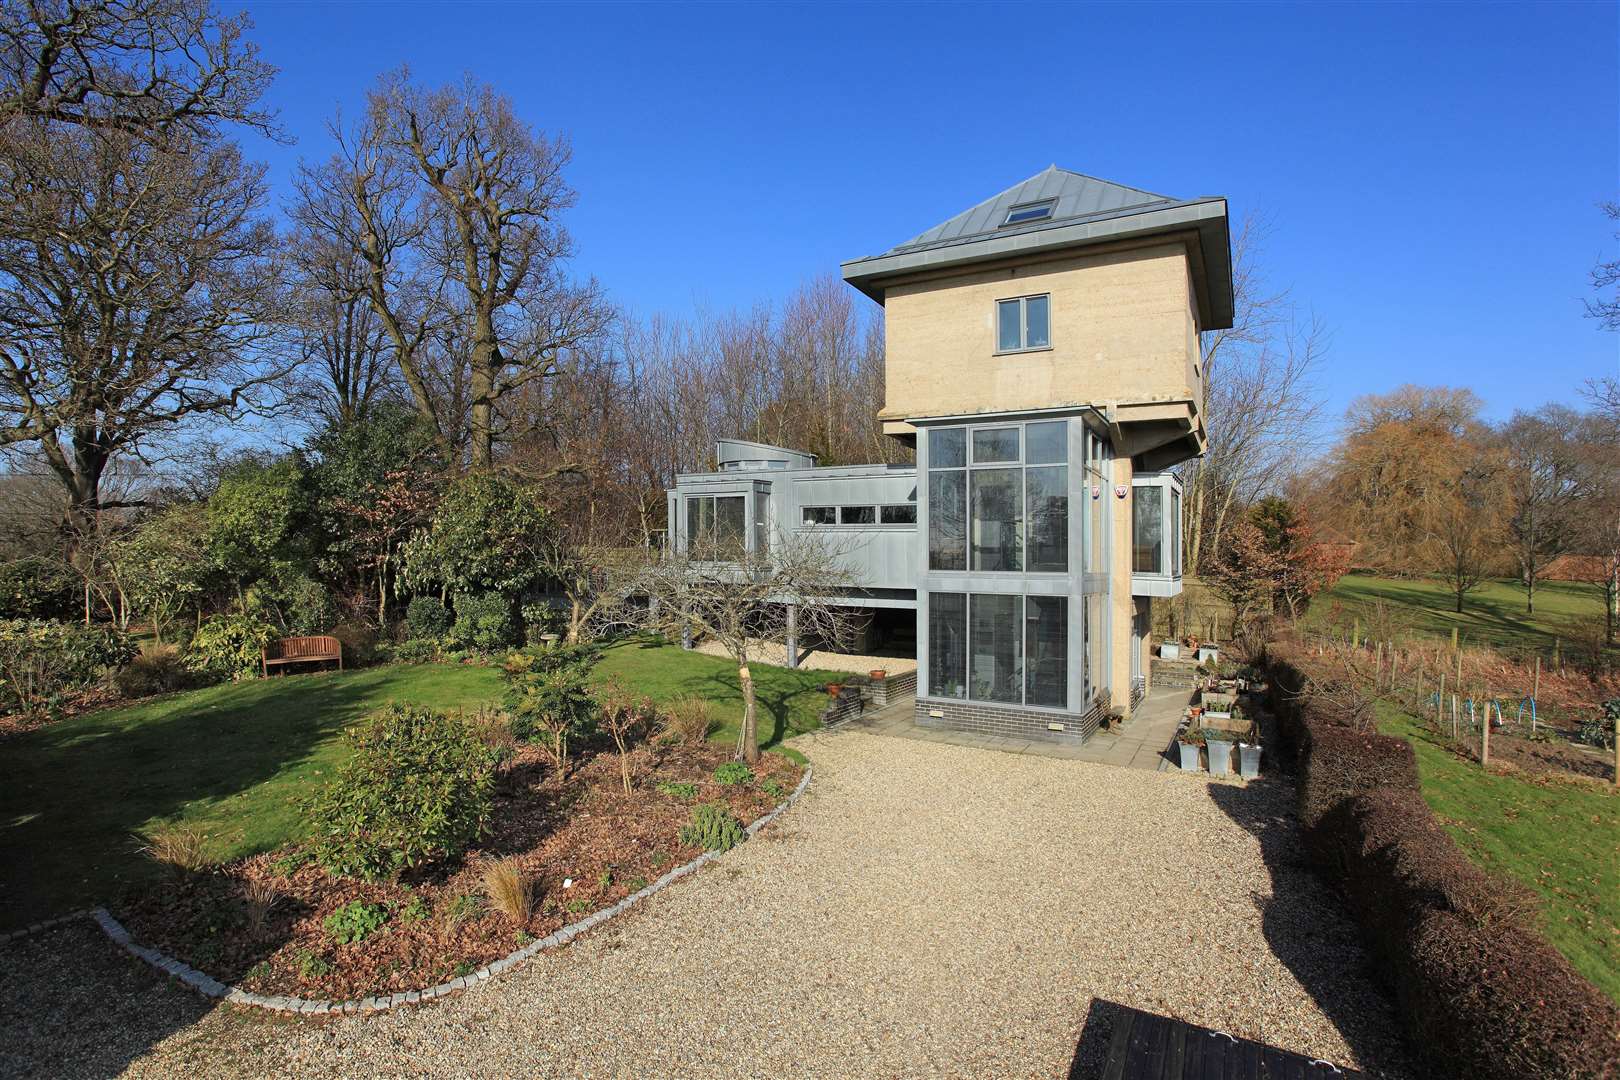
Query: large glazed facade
pixel 1042 357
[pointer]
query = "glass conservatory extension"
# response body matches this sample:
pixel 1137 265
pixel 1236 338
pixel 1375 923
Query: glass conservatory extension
pixel 1013 582
pixel 1155 534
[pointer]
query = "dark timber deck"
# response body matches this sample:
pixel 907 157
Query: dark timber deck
pixel 1148 1047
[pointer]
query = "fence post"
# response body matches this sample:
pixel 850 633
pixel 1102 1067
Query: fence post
pixel 1485 733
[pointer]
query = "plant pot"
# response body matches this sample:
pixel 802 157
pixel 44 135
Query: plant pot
pixel 1189 756
pixel 834 689
pixel 1248 760
pixel 1169 650
pixel 878 674
pixel 1207 653
pixel 1220 757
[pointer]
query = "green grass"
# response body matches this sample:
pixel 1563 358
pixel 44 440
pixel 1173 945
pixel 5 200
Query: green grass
pixel 790 701
pixel 1492 615
pixel 235 760
pixel 238 760
pixel 1558 839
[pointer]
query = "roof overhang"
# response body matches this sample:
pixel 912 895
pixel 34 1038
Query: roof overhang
pixel 1211 255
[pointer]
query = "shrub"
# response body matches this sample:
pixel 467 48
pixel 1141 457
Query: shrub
pixel 417 786
pixel 1339 764
pixel 548 695
pixel 679 791
pixel 42 662
pixel 690 718
pixel 733 773
pixel 626 719
pixel 508 889
pixel 306 606
pixel 417 651
pixel 494 729
pixel 465 906
pixel 483 621
pixel 713 828
pixel 229 646
pixel 259 898
pixel 355 921
pixel 34 587
pixel 183 848
pixel 426 618
pixel 359 644
pixel 158 669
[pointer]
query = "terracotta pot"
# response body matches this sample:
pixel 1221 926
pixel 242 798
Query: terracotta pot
pixel 878 673
pixel 834 689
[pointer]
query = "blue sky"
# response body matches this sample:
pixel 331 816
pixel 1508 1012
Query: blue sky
pixel 1430 174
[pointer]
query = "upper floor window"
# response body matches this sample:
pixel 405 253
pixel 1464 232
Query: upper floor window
pixel 1023 323
pixel 1020 215
pixel 999 499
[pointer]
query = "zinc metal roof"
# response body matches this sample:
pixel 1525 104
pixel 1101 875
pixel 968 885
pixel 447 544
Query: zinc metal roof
pixel 1077 197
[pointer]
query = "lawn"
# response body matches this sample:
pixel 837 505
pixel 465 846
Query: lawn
pixel 1492 615
pixel 1558 839
pixel 238 759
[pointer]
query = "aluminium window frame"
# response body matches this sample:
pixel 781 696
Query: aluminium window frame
pixel 1048 204
pixel 1023 324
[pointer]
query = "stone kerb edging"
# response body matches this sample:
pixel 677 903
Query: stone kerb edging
pixel 211 987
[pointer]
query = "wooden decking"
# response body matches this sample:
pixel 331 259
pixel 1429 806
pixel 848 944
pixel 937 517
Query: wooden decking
pixel 1148 1047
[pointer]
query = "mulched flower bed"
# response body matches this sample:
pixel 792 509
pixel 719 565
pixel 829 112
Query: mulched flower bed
pixel 582 828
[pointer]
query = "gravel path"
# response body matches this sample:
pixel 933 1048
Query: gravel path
pixel 925 910
pixel 774 652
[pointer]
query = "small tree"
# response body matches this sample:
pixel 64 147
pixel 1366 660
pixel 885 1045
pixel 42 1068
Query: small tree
pixel 549 696
pixel 626 720
pixel 714 589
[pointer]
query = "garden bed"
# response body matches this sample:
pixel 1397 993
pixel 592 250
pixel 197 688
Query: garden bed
pixel 436 922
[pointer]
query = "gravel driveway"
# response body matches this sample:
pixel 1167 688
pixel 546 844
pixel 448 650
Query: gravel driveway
pixel 925 910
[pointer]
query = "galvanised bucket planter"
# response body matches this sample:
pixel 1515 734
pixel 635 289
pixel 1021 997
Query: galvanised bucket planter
pixel 1189 757
pixel 1220 757
pixel 1248 760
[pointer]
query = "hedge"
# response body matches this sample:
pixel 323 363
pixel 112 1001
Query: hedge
pixel 1481 992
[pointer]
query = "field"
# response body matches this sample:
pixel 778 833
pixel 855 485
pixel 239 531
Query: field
pixel 1559 839
pixel 237 760
pixel 1492 615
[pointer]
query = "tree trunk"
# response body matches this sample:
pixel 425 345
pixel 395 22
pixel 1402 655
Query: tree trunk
pixel 748 737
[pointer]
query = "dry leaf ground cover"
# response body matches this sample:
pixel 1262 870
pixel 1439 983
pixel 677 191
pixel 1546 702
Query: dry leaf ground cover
pixel 276 925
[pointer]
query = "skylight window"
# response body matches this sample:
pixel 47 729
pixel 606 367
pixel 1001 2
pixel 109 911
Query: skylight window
pixel 1021 215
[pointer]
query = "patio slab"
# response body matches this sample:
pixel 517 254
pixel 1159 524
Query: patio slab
pixel 1144 744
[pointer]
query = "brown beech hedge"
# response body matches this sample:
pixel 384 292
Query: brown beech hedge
pixel 1481 992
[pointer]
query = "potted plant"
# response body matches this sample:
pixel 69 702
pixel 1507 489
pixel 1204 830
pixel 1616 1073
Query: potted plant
pixel 1169 650
pixel 1188 740
pixel 1248 760
pixel 834 689
pixel 1219 745
pixel 877 674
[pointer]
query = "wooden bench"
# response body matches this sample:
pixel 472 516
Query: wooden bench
pixel 298 650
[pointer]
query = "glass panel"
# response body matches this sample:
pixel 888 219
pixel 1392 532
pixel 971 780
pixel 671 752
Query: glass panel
pixel 819 515
pixel 1096 647
pixel 1147 530
pixel 1175 532
pixel 998 519
pixel 1047 629
pixel 947 521
pixel 1047 444
pixel 1048 502
pixel 857 515
pixel 899 514
pixel 1007 320
pixel 947 448
pixel 762 518
pixel 1028 213
pixel 1036 331
pixel 996 648
pixel 700 522
pixel 729 519
pixel 995 445
pixel 947 644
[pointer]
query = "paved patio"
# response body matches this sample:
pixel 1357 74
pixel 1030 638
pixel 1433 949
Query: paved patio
pixel 1144 744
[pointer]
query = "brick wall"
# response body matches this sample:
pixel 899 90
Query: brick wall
pixel 880 692
pixel 982 718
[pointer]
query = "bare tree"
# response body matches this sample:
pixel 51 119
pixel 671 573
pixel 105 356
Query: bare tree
pixel 715 591
pixel 1599 521
pixel 138 286
pixel 492 195
pixel 345 361
pixel 1259 402
pixel 135 66
pixel 1546 484
pixel 1606 277
pixel 1464 517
